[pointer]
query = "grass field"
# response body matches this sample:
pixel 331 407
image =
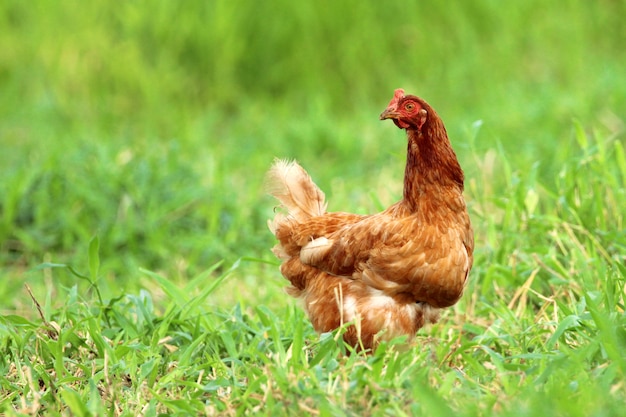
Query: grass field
pixel 137 277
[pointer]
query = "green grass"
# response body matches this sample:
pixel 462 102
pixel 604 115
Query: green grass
pixel 134 141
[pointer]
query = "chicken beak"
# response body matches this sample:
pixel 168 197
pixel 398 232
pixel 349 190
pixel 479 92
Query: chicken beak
pixel 389 113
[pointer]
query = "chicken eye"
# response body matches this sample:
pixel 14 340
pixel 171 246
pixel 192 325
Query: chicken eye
pixel 409 106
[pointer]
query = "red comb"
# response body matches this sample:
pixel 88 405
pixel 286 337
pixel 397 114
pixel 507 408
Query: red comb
pixel 397 95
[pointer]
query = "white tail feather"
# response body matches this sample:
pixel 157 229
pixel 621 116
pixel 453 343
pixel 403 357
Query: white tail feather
pixel 296 191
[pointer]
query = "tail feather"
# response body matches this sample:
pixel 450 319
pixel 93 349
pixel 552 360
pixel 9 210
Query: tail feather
pixel 296 191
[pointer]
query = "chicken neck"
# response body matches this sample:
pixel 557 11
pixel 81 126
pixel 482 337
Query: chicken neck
pixel 432 169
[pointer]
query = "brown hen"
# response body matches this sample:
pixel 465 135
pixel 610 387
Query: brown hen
pixel 389 273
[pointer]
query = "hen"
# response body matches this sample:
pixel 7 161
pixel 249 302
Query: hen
pixel 386 274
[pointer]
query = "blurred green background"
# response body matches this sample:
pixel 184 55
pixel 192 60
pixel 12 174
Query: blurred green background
pixel 151 124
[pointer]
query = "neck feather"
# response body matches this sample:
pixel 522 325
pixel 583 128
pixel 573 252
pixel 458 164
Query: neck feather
pixel 431 164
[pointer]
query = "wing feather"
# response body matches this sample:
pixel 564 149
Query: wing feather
pixel 398 256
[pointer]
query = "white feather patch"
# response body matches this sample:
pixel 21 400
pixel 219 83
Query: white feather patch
pixel 349 309
pixel 314 250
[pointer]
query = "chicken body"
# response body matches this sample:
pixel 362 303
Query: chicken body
pixel 388 273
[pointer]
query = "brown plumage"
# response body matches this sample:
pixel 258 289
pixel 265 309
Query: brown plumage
pixel 388 273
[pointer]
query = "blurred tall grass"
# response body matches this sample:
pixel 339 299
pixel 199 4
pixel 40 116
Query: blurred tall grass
pixel 155 67
pixel 151 123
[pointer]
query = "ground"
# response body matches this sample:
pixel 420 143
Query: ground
pixel 132 211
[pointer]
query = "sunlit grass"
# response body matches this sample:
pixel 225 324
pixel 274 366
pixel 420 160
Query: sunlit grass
pixel 137 276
